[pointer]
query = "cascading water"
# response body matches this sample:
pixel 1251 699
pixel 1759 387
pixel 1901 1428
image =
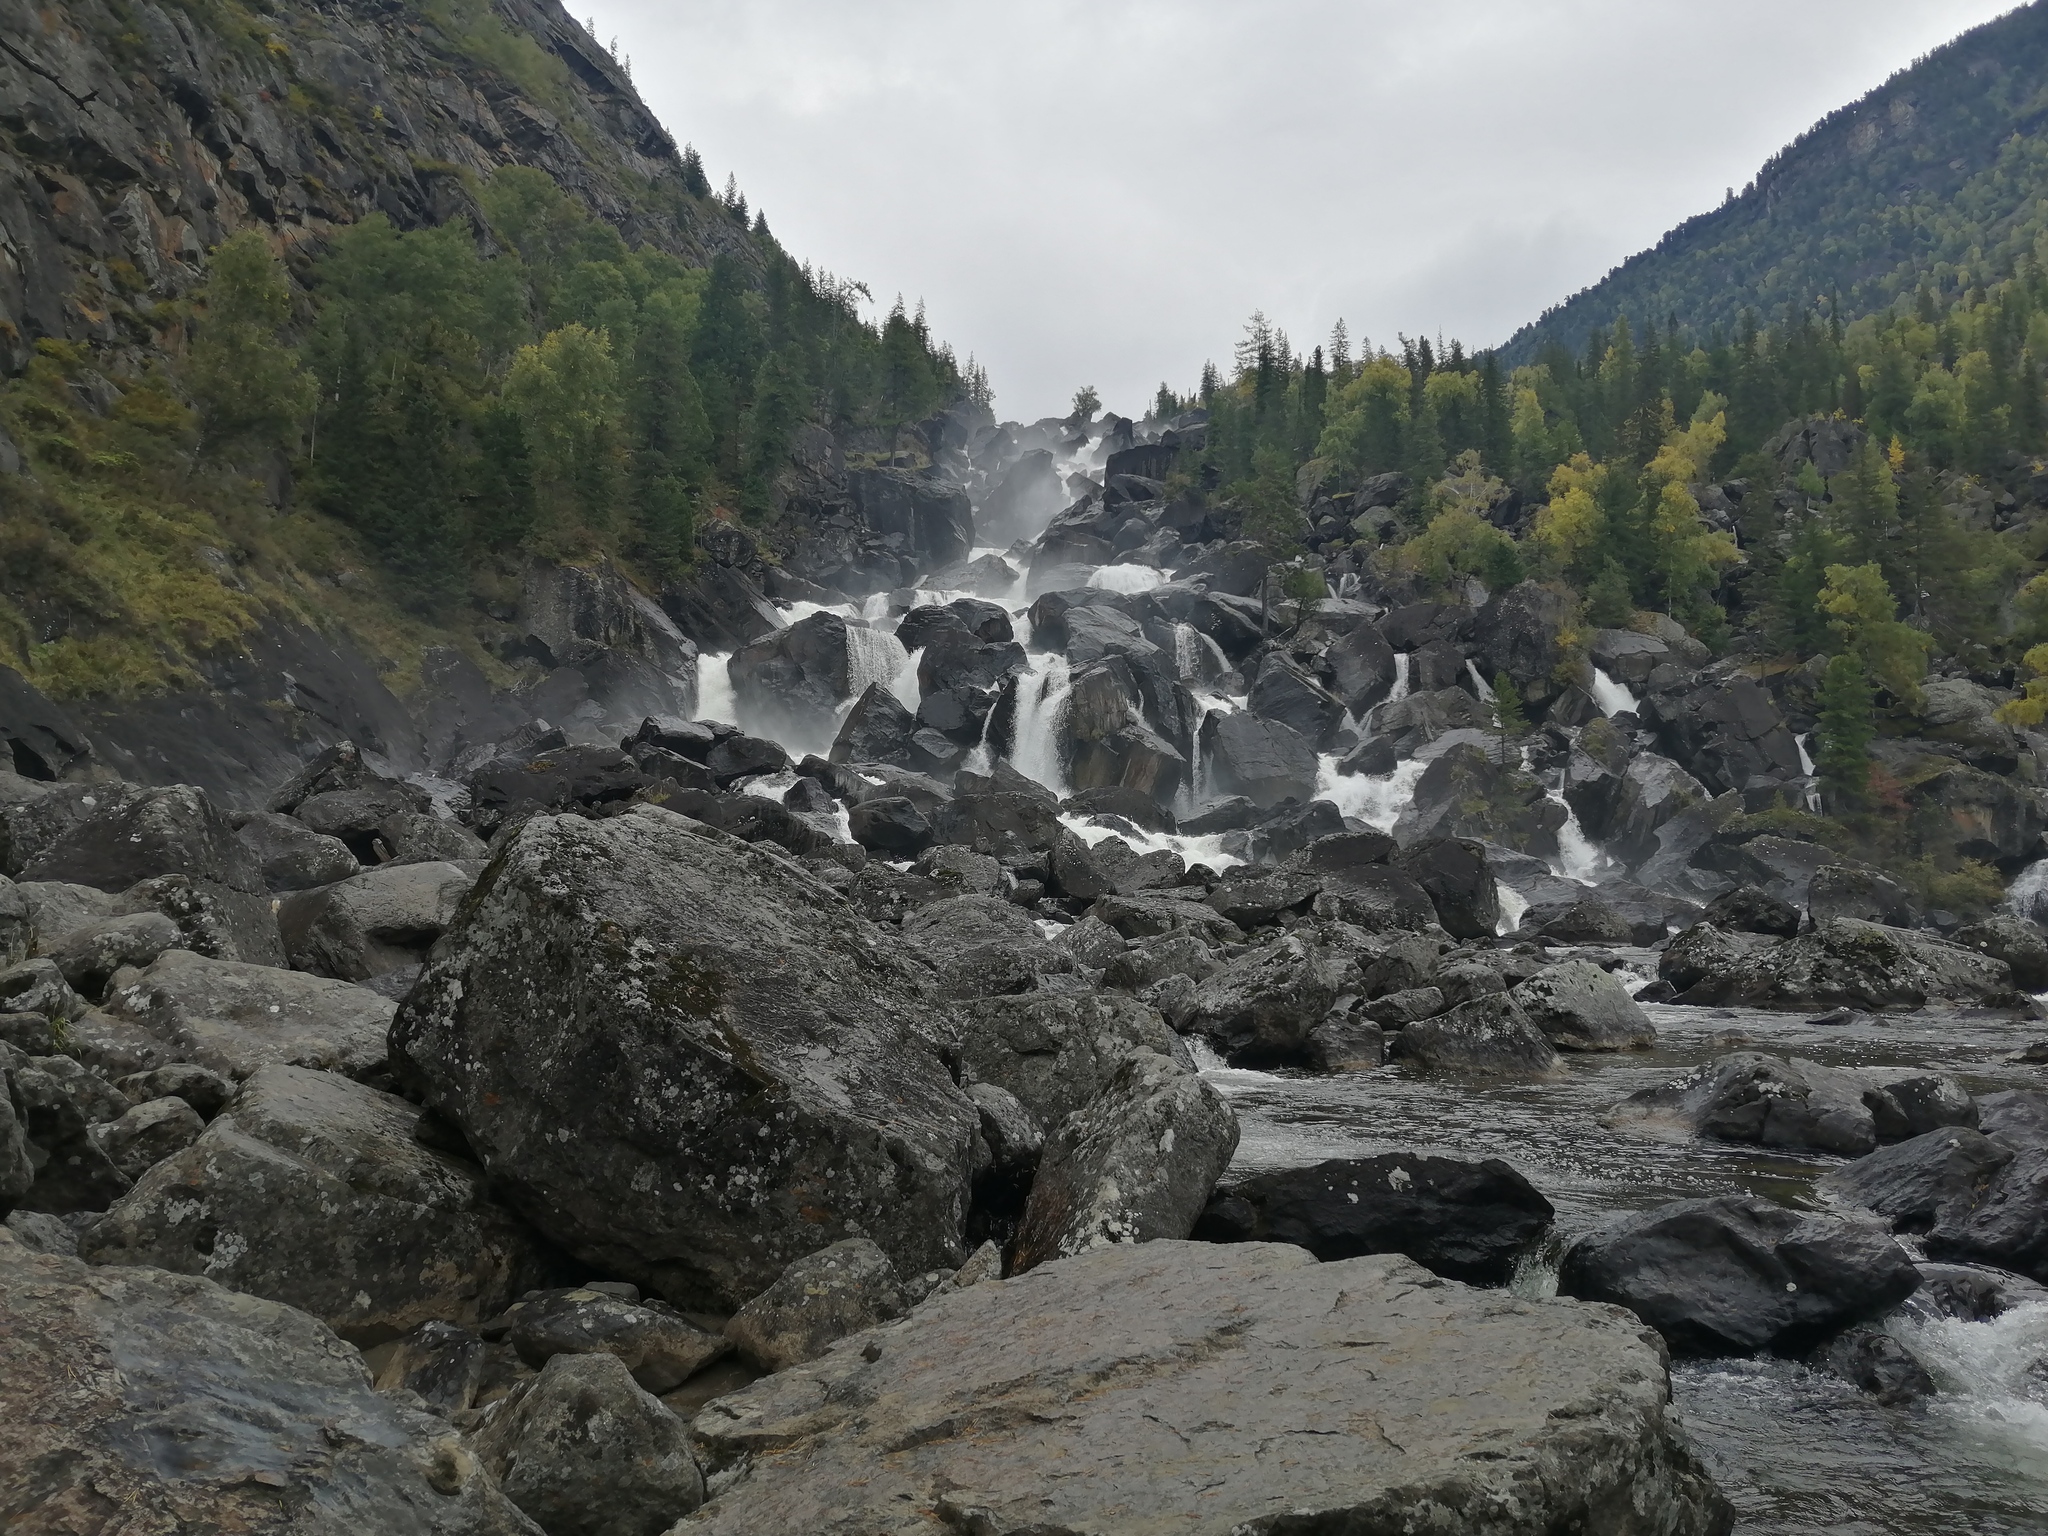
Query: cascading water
pixel 1512 905
pixel 1403 662
pixel 873 657
pixel 1578 856
pixel 715 697
pixel 2028 894
pixel 904 683
pixel 1042 695
pixel 1612 697
pixel 1379 800
pixel 1806 768
pixel 1485 688
pixel 1127 578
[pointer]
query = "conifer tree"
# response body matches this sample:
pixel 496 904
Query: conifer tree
pixel 1848 725
pixel 1510 722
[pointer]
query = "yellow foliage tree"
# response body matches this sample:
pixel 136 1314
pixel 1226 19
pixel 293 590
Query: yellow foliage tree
pixel 1864 616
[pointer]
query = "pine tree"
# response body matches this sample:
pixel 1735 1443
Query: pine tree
pixel 1509 720
pixel 1848 724
pixel 1609 602
pixel 695 182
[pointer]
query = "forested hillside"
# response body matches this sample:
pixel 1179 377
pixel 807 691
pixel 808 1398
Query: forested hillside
pixel 1935 179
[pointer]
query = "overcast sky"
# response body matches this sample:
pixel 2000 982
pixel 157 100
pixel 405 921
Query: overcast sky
pixel 1102 192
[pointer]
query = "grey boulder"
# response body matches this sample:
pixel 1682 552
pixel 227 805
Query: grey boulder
pixel 149 1133
pixel 1486 1037
pixel 1580 1007
pixel 293 857
pixel 817 1301
pixel 373 923
pixel 661 1348
pixel 1797 1105
pixel 1054 1051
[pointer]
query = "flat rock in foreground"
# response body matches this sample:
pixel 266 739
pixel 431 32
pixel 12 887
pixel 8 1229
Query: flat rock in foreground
pixel 140 1402
pixel 1185 1388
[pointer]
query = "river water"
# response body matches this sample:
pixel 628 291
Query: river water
pixel 1798 1452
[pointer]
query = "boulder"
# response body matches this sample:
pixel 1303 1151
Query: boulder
pixel 234 1019
pixel 1161 1377
pixel 878 729
pixel 1841 964
pixel 983 946
pixel 149 1133
pixel 1460 883
pixel 1798 1105
pixel 90 956
pixel 1347 1043
pixel 892 827
pixel 818 1300
pixel 1259 1009
pixel 1409 724
pixel 1875 1363
pixel 1054 1052
pixel 51 1159
pixel 1737 1275
pixel 1524 633
pixel 1580 1007
pixel 1583 920
pixel 380 921
pixel 923 514
pixel 661 1348
pixel 293 857
pixel 1487 1037
pixel 552 778
pixel 798 676
pixel 1468 793
pixel 176 831
pixel 1263 760
pixel 585 1452
pixel 1868 895
pixel 1468 1221
pixel 444 1364
pixel 2020 944
pixel 315 1191
pixel 626 1004
pixel 1286 692
pixel 1136 1163
pixel 1623 801
pixel 207 1092
pixel 275 1420
pixel 1751 909
pixel 1725 731
pixel 38 987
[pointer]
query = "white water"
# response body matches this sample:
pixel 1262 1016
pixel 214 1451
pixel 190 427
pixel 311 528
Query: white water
pixel 1512 905
pixel 1485 688
pixel 1987 1372
pixel 1402 664
pixel 1806 768
pixel 1193 850
pixel 715 699
pixel 1612 697
pixel 904 683
pixel 2028 894
pixel 1127 578
pixel 1578 856
pixel 872 657
pixel 1042 695
pixel 1378 801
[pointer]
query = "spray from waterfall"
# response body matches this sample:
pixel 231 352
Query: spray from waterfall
pixel 1612 697
pixel 1042 697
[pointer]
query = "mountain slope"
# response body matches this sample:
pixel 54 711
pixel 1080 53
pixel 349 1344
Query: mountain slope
pixel 1939 176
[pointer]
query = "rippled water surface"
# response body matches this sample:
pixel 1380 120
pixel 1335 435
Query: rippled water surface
pixel 1798 1452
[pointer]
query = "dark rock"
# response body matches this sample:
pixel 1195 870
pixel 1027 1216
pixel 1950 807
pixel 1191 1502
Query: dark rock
pixel 1467 793
pixel 1343 1043
pixel 1749 909
pixel 48 1132
pixel 1487 1037
pixel 1467 1221
pixel 1263 760
pixel 2020 944
pixel 810 797
pixel 1736 1275
pixel 444 1364
pixel 557 779
pixel 207 1092
pixel 314 1191
pixel 698 995
pixel 1000 824
pixel 1240 1348
pixel 1843 963
pixel 894 828
pixel 1285 692
pixel 1874 1362
pixel 661 1349
pixel 293 857
pixel 1863 894
pixel 1136 1163
pixel 1054 1052
pixel 585 1452
pixel 380 921
pixel 799 675
pixel 1397 1010
pixel 1588 920
pixel 1461 885
pixel 928 513
pixel 211 1364
pixel 744 757
pixel 1260 1008
pixel 821 1298
pixel 149 1133
pixel 1583 1008
pixel 878 729
pixel 1967 1196
pixel 1725 731
pixel 1134 806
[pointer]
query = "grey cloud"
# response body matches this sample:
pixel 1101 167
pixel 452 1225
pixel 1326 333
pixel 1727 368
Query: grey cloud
pixel 1101 193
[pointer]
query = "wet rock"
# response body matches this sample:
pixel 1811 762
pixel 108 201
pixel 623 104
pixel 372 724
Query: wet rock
pixel 1842 963
pixel 314 1191
pixel 585 1452
pixel 1148 961
pixel 1973 1295
pixel 2020 944
pixel 697 1004
pixel 358 816
pixel 1237 1348
pixel 1463 980
pixel 1134 1164
pixel 1725 731
pixel 1487 1037
pixel 1968 1197
pixel 149 1133
pixel 661 1349
pixel 1460 883
pixel 292 856
pixel 878 729
pixel 804 673
pixel 1466 1221
pixel 1875 1363
pixel 1397 1010
pixel 233 1018
pixel 1737 1275
pixel 1580 1007
pixel 1623 808
pixel 210 1364
pixel 556 778
pixel 820 1299
pixel 1991 817
pixel 893 828
pixel 1145 916
pixel 1110 867
pixel 380 921
pixel 1766 1101
pixel 1054 1052
pixel 1286 692
pixel 1347 1043
pixel 1751 909
pixel 176 831
pixel 983 947
pixel 1262 760
pixel 929 516
pixel 1253 899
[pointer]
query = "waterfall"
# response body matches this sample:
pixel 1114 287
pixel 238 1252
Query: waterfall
pixel 904 683
pixel 1485 688
pixel 1578 856
pixel 875 607
pixel 872 657
pixel 2028 895
pixel 1806 768
pixel 1190 649
pixel 1377 801
pixel 1402 662
pixel 715 699
pixel 1042 695
pixel 1612 697
pixel 1126 578
pixel 1512 905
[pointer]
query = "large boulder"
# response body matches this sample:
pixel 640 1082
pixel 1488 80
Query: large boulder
pixel 1054 1051
pixel 2019 943
pixel 1800 1105
pixel 1134 1164
pixel 1260 1008
pixel 924 515
pixel 1485 1037
pixel 1725 731
pixel 1161 1378
pixel 799 676
pixel 688 1062
pixel 1525 632
pixel 1460 882
pixel 317 1192
pixel 1469 793
pixel 820 1299
pixel 1736 1275
pixel 273 1419
pixel 1583 1008
pixel 380 921
pixel 659 1347
pixel 583 1451
pixel 292 856
pixel 1285 691
pixel 1263 760
pixel 175 831
pixel 1468 1221
pixel 235 1018
pixel 51 1157
pixel 1843 963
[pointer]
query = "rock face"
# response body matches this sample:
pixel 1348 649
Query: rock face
pixel 1142 1389
pixel 237 1018
pixel 818 1300
pixel 273 1417
pixel 1466 1221
pixel 313 1191
pixel 585 1452
pixel 1136 1163
pixel 1263 760
pixel 688 1062
pixel 1843 963
pixel 1735 1275
pixel 659 1348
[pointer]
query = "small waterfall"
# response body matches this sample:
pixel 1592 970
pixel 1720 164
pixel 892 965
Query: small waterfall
pixel 1126 578
pixel 1578 856
pixel 1377 801
pixel 1485 688
pixel 1612 697
pixel 982 759
pixel 875 607
pixel 1512 905
pixel 1984 1370
pixel 904 683
pixel 1192 650
pixel 715 698
pixel 1402 662
pixel 1806 768
pixel 1042 695
pixel 872 657
pixel 2028 894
